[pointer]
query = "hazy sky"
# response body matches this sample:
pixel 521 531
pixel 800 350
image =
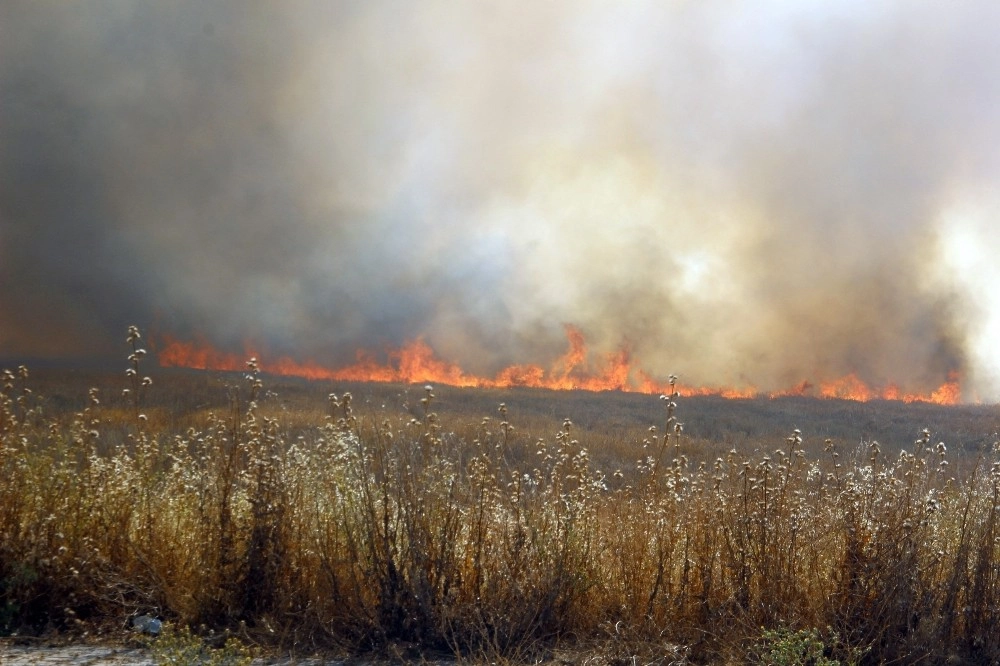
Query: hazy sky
pixel 739 192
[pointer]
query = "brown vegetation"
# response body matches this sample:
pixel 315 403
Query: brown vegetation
pixel 371 527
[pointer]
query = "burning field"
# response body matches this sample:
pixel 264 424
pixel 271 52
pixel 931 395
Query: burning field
pixel 703 295
pixel 486 523
pixel 416 363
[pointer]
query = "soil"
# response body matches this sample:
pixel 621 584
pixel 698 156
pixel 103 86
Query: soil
pixel 12 654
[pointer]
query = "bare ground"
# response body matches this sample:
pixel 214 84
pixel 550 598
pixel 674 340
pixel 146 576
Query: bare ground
pixel 91 655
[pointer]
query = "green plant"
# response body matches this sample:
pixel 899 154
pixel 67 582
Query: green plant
pixel 786 647
pixel 180 647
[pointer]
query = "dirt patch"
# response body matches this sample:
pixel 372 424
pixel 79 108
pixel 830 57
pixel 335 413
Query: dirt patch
pixel 89 655
pixel 73 655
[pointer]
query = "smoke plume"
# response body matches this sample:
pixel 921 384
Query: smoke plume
pixel 737 192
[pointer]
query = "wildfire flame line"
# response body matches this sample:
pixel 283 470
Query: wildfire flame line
pixel 416 362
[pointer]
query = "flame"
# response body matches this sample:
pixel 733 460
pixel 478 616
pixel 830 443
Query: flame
pixel 198 355
pixel 415 362
pixel 849 387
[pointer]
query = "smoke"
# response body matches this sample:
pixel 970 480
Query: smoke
pixel 739 193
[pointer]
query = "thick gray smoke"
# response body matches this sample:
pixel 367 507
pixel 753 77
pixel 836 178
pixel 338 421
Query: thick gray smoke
pixel 740 192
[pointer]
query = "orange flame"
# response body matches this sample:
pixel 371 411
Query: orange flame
pixel 849 387
pixel 415 362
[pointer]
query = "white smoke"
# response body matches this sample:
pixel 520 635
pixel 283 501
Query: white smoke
pixel 741 193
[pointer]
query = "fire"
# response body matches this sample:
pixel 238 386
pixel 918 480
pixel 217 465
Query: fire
pixel 849 387
pixel 199 355
pixel 415 362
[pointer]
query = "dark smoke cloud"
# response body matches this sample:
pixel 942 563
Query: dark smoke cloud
pixel 739 193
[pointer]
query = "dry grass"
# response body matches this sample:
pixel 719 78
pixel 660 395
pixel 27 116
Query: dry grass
pixel 365 529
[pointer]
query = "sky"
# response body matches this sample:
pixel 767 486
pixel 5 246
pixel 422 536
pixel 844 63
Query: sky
pixel 738 193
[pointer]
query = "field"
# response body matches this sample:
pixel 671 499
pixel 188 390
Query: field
pixel 407 521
